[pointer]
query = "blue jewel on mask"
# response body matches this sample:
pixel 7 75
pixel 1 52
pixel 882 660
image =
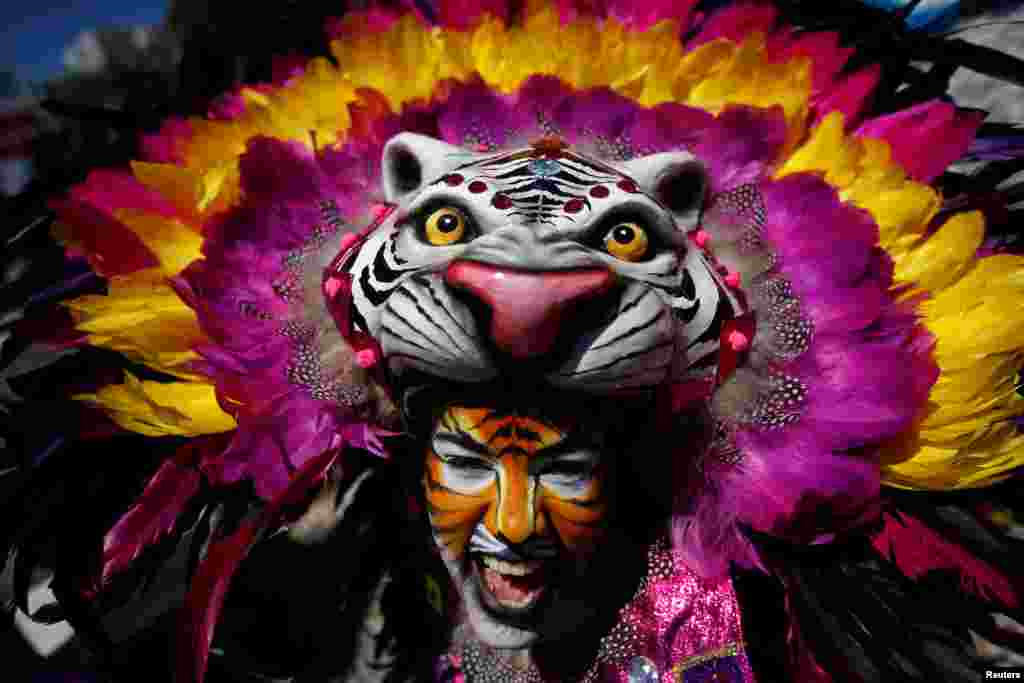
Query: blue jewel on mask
pixel 545 167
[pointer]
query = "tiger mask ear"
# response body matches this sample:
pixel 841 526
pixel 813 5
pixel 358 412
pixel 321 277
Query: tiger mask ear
pixel 678 180
pixel 412 161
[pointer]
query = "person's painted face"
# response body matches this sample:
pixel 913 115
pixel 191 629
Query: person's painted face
pixel 517 505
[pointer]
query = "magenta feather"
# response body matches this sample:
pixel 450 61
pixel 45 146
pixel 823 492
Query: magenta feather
pixel 927 138
pixel 867 371
pixel 227 107
pixel 234 293
pixel 109 190
pixel 270 446
pixel 736 22
pixel 476 108
pixel 155 513
pixel 166 146
pixel 850 96
pixel 741 145
pixel 282 172
pixel 823 49
pixel 463 14
pixel 113 248
pixel 638 15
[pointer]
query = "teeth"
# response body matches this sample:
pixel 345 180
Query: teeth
pixel 511 568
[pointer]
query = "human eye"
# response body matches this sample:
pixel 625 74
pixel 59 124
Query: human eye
pixel 463 462
pixel 570 468
pixel 466 474
pixel 459 457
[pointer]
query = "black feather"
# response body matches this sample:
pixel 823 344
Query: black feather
pixel 951 516
pixel 865 621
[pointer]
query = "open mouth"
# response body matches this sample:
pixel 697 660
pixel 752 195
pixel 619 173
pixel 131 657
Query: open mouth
pixel 511 586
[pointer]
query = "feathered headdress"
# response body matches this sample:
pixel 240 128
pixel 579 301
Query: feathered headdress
pixel 879 341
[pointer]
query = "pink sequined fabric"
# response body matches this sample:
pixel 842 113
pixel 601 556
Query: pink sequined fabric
pixel 686 629
pixel 676 629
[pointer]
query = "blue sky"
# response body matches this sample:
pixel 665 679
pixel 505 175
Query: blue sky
pixel 34 33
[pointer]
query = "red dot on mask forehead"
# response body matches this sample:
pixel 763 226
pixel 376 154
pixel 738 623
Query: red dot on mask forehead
pixel 477 186
pixel 454 179
pixel 627 185
pixel 599 191
pixel 573 205
pixel 501 201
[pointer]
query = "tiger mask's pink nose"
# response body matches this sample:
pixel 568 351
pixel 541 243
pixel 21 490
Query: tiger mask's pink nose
pixel 528 308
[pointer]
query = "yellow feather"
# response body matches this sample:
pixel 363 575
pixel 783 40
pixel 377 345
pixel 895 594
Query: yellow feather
pixel 967 377
pixel 658 54
pixel 142 318
pixel 747 77
pixel 946 255
pixel 174 243
pixel 902 214
pixel 184 187
pixel 408 60
pixel 398 62
pixel 162 409
pixel 967 437
pixel 987 461
pixel 700 65
pixel 826 152
pixel 215 142
pixel 316 100
pixel 863 171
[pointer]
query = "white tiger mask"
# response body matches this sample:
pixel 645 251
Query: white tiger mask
pixel 538 264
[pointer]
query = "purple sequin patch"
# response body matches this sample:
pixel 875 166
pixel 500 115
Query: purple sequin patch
pixel 721 670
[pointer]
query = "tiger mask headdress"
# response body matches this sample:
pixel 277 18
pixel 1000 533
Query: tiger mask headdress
pixel 540 262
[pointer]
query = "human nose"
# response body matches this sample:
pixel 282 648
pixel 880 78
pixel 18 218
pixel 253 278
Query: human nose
pixel 515 514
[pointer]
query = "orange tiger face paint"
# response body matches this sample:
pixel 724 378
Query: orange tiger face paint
pixel 516 503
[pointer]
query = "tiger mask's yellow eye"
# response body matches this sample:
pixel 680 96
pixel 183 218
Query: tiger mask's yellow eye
pixel 627 241
pixel 445 226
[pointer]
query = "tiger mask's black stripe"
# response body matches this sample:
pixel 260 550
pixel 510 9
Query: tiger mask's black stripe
pixel 404 292
pixel 632 330
pixel 384 273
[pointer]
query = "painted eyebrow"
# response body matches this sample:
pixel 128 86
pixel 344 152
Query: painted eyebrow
pixel 571 443
pixel 517 431
pixel 568 446
pixel 465 441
